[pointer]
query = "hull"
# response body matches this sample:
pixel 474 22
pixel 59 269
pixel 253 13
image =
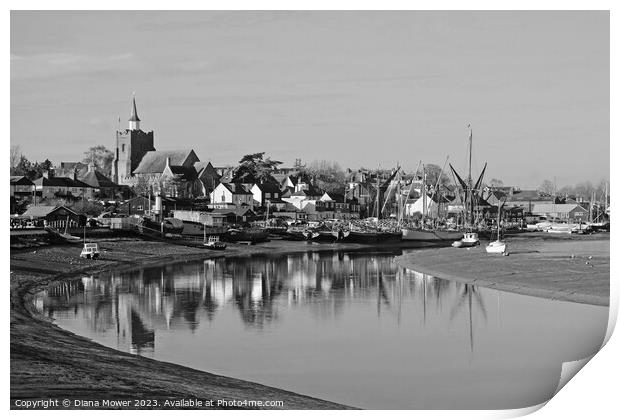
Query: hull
pixel 249 235
pixel 496 247
pixel 431 235
pixel 198 229
pixel 373 237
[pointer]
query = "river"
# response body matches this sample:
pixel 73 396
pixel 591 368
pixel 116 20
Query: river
pixel 352 328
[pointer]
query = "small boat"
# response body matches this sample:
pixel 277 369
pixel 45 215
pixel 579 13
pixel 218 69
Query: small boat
pixel 457 244
pixel 496 247
pixel 64 237
pixel 470 239
pixel 90 251
pixel 214 243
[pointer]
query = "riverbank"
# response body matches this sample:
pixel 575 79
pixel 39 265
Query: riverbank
pixel 49 362
pixel 569 268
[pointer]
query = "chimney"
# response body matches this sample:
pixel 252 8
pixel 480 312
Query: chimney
pixel 75 172
pixel 91 166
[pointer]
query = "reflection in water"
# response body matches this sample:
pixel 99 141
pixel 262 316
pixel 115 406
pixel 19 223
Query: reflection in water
pixel 308 325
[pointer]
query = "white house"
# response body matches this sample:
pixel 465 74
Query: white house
pixel 268 194
pixel 232 193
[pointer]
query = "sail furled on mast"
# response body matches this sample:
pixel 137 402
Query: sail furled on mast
pixel 456 175
pixel 479 182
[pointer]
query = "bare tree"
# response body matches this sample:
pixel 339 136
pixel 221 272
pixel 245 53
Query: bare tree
pixel 15 155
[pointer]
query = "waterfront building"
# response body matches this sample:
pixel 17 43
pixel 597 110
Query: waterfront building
pixel 54 216
pixel 572 213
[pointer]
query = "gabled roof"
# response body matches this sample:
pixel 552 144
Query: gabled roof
pixel 96 179
pixel 529 195
pixel 154 161
pixel 42 211
pixel 555 208
pixel 187 173
pixel 60 181
pixel 269 187
pixel 20 180
pixel 309 192
pixel 235 188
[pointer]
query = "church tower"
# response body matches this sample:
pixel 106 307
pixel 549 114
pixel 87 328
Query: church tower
pixel 131 146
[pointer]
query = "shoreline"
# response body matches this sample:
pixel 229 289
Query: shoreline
pixel 50 362
pixel 47 361
pixel 553 269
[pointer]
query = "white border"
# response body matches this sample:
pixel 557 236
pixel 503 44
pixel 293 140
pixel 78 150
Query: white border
pixel 592 394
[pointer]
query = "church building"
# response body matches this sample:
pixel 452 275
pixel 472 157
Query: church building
pixel 131 146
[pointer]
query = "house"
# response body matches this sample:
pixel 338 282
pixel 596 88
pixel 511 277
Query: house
pixel 267 193
pixel 207 176
pixel 69 169
pixel 50 186
pixel 304 195
pixel 21 187
pixel 342 208
pixel 572 213
pixel 169 173
pixel 54 216
pixel 436 205
pixel 232 193
pixel 104 186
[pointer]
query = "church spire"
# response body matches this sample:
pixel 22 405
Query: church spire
pixel 134 121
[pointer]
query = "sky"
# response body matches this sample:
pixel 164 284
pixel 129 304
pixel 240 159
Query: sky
pixel 372 89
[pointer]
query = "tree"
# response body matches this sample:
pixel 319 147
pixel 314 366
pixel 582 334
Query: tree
pixel 547 187
pixel 432 174
pixel 255 168
pixel 101 157
pixel 22 168
pixel 494 182
pixel 327 175
pixel 15 155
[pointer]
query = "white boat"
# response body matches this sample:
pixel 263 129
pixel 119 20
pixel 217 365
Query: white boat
pixel 470 239
pixel 496 247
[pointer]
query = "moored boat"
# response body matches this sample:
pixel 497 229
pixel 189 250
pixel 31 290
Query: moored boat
pixel 424 235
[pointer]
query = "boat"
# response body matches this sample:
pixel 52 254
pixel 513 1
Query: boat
pixel 469 239
pixel 90 251
pixel 191 228
pixel 62 237
pixel 426 235
pixel 373 236
pixel 498 246
pixel 250 235
pixel 214 243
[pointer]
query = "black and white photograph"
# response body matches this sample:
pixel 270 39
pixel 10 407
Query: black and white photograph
pixel 307 209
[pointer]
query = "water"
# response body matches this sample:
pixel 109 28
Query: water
pixel 353 328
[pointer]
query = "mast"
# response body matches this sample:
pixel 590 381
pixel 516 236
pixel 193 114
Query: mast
pixel 469 196
pixel 423 191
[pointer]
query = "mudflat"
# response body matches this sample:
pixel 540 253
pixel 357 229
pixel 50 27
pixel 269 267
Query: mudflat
pixel 570 268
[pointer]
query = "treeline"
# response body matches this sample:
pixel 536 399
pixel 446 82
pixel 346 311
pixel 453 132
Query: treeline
pixel 21 166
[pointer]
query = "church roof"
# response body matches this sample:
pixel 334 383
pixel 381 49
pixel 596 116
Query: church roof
pixel 134 112
pixel 155 161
